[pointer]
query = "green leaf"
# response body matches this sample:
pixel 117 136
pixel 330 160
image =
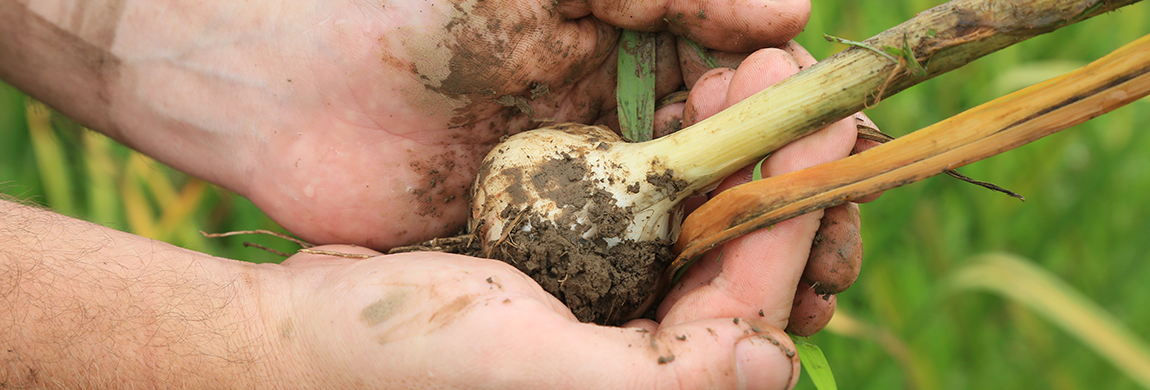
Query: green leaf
pixel 1029 285
pixel 703 53
pixel 888 54
pixel 815 364
pixel 911 62
pixel 682 270
pixel 635 92
pixel 894 51
pixel 757 174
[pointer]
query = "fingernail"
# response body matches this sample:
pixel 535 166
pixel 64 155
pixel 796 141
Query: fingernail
pixel 761 364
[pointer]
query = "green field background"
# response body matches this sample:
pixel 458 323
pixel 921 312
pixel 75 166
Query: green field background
pixel 1086 219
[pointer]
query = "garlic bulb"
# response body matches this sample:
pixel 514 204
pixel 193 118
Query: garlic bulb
pixel 578 177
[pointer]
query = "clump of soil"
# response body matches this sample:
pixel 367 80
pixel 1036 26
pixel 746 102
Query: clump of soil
pixel 552 203
pixel 600 283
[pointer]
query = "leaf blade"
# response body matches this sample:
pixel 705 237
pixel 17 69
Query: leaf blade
pixel 635 91
pixel 815 364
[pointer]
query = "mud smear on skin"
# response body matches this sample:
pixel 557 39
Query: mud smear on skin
pixel 483 56
pixel 476 73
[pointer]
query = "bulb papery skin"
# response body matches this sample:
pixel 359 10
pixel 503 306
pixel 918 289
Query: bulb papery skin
pixel 588 216
pixel 574 174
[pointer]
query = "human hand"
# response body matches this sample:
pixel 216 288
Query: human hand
pixel 480 323
pixel 431 320
pixel 91 307
pixel 756 275
pixel 356 122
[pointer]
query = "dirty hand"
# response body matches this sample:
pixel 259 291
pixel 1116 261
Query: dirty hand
pixel 364 122
pixel 756 275
pixel 430 319
pixel 374 323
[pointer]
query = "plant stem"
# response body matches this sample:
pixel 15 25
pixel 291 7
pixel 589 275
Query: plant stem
pixel 1119 78
pixel 944 38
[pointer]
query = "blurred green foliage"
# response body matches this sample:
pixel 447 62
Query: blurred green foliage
pixel 48 159
pixel 1084 220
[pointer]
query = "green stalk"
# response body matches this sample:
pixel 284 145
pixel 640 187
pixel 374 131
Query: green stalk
pixel 940 39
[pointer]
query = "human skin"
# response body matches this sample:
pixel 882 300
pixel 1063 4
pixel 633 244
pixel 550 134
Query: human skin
pixel 84 306
pixel 315 113
pixel 329 113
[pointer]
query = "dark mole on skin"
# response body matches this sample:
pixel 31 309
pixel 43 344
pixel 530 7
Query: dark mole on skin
pixel 666 359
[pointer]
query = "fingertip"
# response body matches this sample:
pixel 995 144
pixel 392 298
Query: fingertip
pixel 760 358
pixel 707 95
pixel 836 251
pixel 633 15
pixel 729 353
pixel 758 71
pixel 811 311
pixel 693 64
pixel 668 119
pixel 800 53
pixel 668 76
pixel 868 198
pixel 739 26
pixel 862 145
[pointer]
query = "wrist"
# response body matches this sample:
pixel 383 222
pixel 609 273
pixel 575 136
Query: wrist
pixel 271 325
pixel 89 306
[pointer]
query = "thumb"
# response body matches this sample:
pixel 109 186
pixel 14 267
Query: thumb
pixel 709 353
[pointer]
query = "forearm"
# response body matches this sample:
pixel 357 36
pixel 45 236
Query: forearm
pixel 85 306
pixel 56 65
pixel 152 74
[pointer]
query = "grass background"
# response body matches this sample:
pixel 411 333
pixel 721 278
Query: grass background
pixel 1085 219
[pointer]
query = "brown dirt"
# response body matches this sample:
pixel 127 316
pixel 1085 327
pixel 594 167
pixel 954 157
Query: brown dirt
pixel 601 284
pixel 667 182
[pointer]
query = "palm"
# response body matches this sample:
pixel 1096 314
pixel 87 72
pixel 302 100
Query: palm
pixel 386 154
pixel 428 320
pixel 358 122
